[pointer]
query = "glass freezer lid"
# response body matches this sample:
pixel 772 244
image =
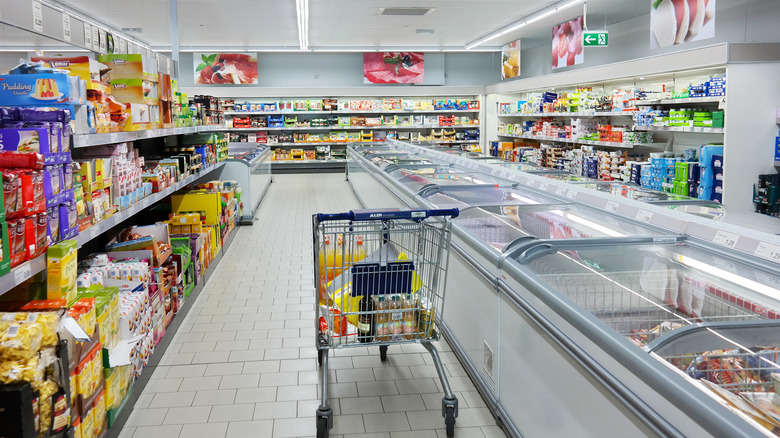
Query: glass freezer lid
pixel 642 291
pixel 416 180
pixel 494 195
pixel 530 168
pixel 567 177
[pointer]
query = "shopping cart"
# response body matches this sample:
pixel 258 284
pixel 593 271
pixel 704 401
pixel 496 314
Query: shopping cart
pixel 379 280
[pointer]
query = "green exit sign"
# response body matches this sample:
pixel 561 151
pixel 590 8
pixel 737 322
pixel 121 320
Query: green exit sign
pixel 598 38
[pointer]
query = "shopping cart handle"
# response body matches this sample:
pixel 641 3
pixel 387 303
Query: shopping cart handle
pixel 380 215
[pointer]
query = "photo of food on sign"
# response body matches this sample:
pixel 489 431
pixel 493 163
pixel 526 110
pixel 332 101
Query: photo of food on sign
pixel 675 22
pixel 567 44
pixel 510 60
pixel 225 68
pixel 393 67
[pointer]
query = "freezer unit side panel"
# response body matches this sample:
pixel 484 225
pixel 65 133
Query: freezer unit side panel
pixel 549 394
pixel 471 313
pixel 373 189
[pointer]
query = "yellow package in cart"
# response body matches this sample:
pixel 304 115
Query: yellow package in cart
pixel 61 270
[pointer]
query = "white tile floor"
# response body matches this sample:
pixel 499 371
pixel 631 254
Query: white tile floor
pixel 243 362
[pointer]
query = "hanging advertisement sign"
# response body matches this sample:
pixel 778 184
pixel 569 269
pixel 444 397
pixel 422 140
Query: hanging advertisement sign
pixel 225 68
pixel 393 67
pixel 510 60
pixel 567 44
pixel 675 22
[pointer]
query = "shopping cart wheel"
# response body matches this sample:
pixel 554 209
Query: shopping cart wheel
pixel 383 352
pixel 450 412
pixel 324 422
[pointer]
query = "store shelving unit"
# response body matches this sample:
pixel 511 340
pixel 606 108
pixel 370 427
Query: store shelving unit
pixel 87 140
pixel 29 268
pixel 608 144
pixel 304 116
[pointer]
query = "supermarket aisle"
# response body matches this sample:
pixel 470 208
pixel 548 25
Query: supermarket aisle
pixel 243 362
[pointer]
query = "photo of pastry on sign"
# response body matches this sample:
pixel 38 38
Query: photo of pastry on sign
pixel 393 68
pixel 675 22
pixel 225 68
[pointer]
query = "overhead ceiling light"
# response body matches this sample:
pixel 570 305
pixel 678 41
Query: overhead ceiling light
pixel 302 11
pixel 133 29
pixel 419 31
pixel 406 11
pixel 525 21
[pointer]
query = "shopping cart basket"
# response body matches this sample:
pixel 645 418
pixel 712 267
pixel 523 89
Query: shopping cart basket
pixel 379 280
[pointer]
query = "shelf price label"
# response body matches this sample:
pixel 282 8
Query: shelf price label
pixel 644 216
pixel 87 36
pixel 726 239
pixel 22 273
pixel 768 251
pixel 66 33
pixel 37 11
pixel 122 46
pixel 611 206
pixel 95 38
pixel 544 185
pixel 561 191
pixel 571 194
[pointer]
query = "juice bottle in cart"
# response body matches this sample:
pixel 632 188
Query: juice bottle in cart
pixel 340 256
pixel 409 316
pixel 396 318
pixel 359 250
pixel 325 257
pixel 380 318
pixel 365 319
pixel 426 318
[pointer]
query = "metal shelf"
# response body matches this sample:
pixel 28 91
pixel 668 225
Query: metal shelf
pixel 695 129
pixel 335 112
pixel 344 128
pixel 685 101
pixel 587 142
pixel 87 140
pixel 578 114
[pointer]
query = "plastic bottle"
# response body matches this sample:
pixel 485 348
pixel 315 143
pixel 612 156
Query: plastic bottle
pixel 359 251
pixel 380 318
pixel 396 318
pixel 426 319
pixel 365 319
pixel 340 256
pixel 410 319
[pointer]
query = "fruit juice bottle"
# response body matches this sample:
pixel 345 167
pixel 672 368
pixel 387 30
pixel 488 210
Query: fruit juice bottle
pixel 359 250
pixel 410 319
pixel 339 253
pixel 325 257
pixel 396 318
pixel 380 318
pixel 426 319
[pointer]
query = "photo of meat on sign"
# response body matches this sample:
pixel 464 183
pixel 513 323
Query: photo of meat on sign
pixel 393 67
pixel 225 68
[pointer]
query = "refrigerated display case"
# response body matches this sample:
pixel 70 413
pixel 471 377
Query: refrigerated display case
pixel 250 165
pixel 575 320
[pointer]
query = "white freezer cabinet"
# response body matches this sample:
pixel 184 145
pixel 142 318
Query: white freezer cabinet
pixel 574 321
pixel 250 166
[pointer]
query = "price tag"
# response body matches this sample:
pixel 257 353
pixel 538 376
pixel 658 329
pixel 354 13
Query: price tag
pixel 768 279
pixel 66 34
pixel 560 191
pixel 611 206
pixel 95 38
pixel 726 239
pixel 768 251
pixel 725 264
pixel 37 16
pixel 93 232
pixel 87 36
pixel 644 216
pixel 571 194
pixel 103 41
pixel 22 273
pixel 122 46
pixel 544 185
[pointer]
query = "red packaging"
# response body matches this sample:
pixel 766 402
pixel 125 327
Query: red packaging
pixel 26 160
pixel 11 187
pixel 29 192
pixel 41 231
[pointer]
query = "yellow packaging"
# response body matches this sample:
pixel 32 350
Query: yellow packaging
pixel 61 270
pixel 196 228
pixel 97 368
pixel 77 427
pixel 87 425
pixel 99 412
pixel 207 202
pixel 84 372
pixel 112 398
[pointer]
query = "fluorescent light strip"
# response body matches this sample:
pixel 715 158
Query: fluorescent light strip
pixel 302 12
pixel 525 21
pixel 731 277
pixel 590 224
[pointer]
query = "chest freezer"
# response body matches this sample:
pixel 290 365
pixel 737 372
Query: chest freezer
pixel 250 166
pixel 684 327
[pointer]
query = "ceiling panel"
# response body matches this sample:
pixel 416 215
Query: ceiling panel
pixel 344 23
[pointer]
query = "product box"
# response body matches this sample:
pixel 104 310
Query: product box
pixel 128 66
pixel 86 68
pixel 62 267
pixel 37 140
pixel 40 89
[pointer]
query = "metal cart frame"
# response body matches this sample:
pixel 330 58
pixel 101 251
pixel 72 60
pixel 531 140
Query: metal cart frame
pixel 379 278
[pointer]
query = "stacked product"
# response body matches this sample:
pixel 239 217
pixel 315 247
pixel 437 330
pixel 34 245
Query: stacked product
pixel 766 194
pixel 609 164
pixel 133 80
pixel 711 173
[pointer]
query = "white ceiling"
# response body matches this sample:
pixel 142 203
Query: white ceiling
pixel 342 24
